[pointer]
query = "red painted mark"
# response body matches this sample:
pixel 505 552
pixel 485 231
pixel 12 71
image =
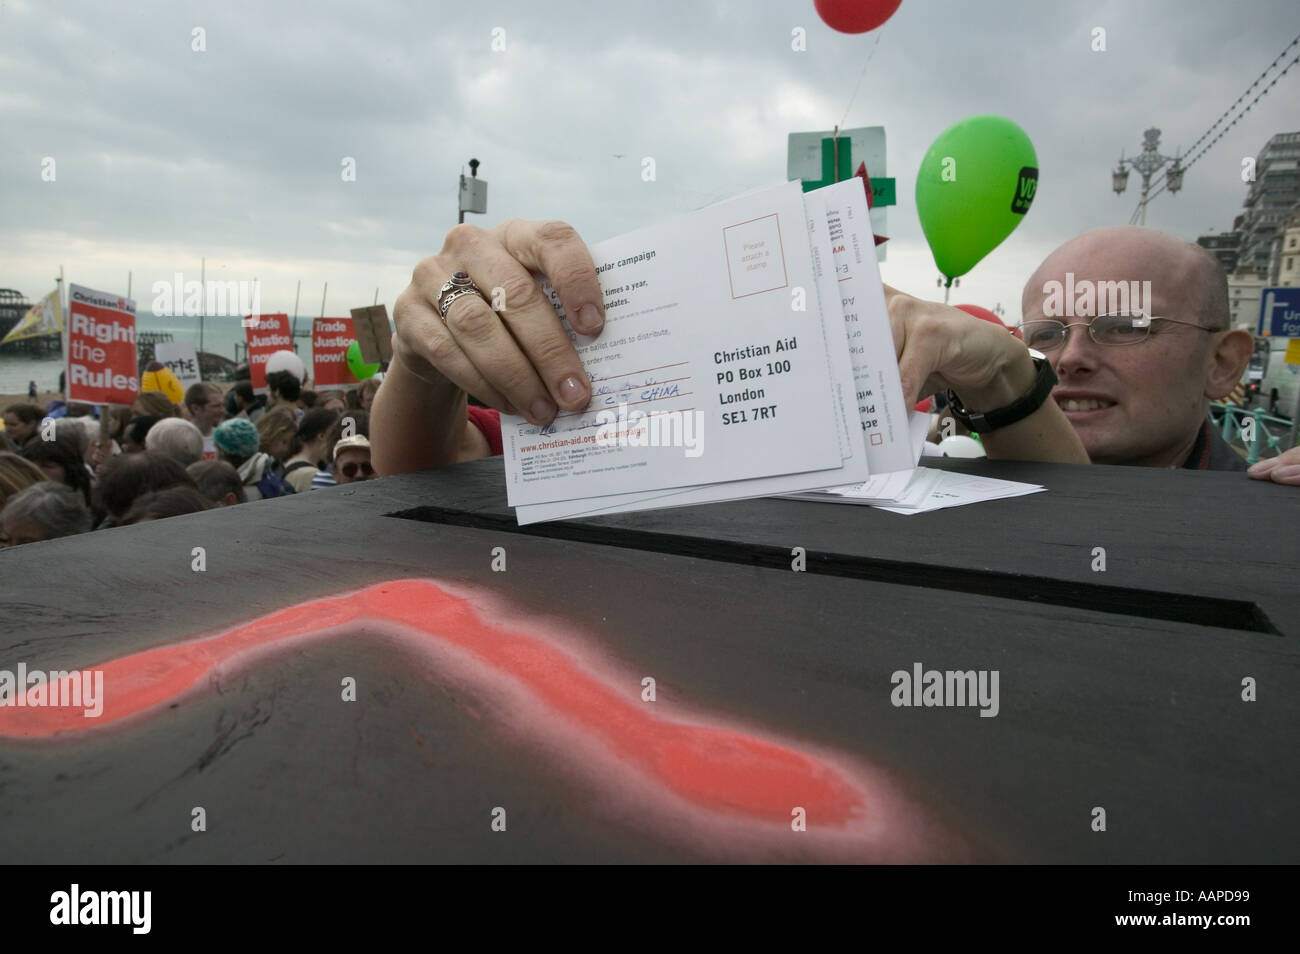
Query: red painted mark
pixel 713 768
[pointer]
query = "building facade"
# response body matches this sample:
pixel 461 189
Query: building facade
pixel 1244 288
pixel 1272 198
pixel 1225 246
pixel 1284 269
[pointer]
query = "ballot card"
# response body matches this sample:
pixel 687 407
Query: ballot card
pixel 892 438
pixel 942 489
pixel 707 369
pixel 882 414
pixel 925 489
pixel 839 371
pixel 886 488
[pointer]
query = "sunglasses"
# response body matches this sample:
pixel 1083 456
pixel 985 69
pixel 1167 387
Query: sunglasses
pixel 349 470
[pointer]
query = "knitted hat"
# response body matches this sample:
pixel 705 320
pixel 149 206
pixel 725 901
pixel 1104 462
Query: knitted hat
pixel 236 437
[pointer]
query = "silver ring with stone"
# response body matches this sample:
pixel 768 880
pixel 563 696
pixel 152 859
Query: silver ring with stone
pixel 458 285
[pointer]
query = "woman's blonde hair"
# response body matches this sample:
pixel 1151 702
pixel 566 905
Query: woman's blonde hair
pixel 17 473
pixel 274 426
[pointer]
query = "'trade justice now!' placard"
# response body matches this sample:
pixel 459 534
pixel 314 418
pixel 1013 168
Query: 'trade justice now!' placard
pixel 330 338
pixel 265 335
pixel 101 347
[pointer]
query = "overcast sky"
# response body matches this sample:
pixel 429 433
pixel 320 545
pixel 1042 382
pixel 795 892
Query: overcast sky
pixel 164 154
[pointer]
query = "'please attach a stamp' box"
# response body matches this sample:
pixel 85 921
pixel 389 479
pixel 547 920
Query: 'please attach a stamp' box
pixel 755 256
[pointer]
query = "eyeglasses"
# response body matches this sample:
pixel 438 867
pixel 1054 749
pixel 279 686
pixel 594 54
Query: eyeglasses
pixel 1117 329
pixel 351 467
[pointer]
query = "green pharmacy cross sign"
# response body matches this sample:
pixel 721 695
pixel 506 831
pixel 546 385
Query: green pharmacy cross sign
pixel 837 165
pixel 825 156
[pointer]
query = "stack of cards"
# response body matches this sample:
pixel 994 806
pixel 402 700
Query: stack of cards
pixel 926 489
pixel 746 352
pixel 921 489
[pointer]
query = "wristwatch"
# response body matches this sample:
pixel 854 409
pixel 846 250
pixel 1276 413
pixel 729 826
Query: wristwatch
pixel 982 423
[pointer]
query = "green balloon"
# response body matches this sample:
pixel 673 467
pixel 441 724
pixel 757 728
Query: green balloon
pixel 974 187
pixel 360 370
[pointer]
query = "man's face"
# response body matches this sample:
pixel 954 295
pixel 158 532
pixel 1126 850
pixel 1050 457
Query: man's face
pixel 352 465
pixel 1137 403
pixel 17 430
pixel 209 415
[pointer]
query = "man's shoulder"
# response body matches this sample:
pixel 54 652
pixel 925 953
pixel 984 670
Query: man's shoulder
pixel 1222 456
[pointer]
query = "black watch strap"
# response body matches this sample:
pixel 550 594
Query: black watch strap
pixel 982 423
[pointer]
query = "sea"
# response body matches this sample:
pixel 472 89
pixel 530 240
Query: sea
pixel 220 335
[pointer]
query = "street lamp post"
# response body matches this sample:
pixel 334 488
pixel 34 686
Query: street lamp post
pixel 473 192
pixel 948 287
pixel 1148 163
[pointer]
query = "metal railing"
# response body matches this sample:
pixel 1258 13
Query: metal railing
pixel 1233 424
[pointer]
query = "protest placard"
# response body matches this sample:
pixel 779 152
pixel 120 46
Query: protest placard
pixel 101 347
pixel 330 338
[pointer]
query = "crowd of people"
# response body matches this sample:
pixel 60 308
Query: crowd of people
pixel 65 471
pixel 1129 388
pixel 1127 384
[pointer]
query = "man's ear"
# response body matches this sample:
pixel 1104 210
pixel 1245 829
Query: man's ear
pixel 1227 362
pixel 229 500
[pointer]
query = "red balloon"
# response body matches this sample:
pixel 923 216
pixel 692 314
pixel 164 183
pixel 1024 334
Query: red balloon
pixel 987 315
pixel 855 16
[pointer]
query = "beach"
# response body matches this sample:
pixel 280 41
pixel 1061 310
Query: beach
pixel 43 398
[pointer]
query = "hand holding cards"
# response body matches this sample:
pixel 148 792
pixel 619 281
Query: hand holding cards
pixel 725 327
pixel 747 349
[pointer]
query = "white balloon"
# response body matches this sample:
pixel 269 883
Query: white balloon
pixel 286 361
pixel 961 446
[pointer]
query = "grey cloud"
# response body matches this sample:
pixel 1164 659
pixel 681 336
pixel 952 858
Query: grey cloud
pixel 240 147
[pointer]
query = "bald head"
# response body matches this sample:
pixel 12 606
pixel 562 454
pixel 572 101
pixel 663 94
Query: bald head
pixel 1143 400
pixel 1186 280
